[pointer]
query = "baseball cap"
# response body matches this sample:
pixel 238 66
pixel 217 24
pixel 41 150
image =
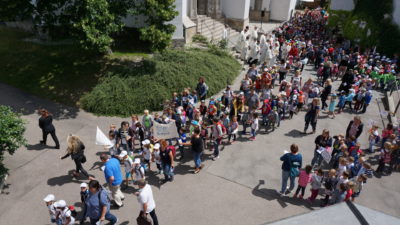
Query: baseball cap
pixel 49 198
pixel 156 146
pixel 84 185
pixel 137 161
pixel 123 154
pixel 60 204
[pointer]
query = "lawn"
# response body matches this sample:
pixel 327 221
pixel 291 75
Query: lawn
pixel 62 73
pixel 125 82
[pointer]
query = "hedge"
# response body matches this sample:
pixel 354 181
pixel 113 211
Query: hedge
pixel 131 89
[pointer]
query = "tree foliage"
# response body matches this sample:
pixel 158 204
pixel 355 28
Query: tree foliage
pixel 15 9
pixel 157 13
pixel 12 129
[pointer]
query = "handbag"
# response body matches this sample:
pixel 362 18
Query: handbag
pixel 143 220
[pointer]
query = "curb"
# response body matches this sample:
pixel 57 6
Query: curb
pixel 2 183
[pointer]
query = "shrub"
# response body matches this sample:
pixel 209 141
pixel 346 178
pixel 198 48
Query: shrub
pixel 131 89
pixel 12 129
pixel 199 38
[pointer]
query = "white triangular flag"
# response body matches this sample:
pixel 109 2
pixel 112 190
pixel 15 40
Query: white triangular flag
pixel 101 139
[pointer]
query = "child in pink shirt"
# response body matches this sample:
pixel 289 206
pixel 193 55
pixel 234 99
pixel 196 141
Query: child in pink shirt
pixel 304 179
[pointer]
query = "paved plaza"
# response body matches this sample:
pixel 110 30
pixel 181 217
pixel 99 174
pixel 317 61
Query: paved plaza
pixel 239 188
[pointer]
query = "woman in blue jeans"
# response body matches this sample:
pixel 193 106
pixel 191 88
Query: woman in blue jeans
pixel 167 161
pixel 98 205
pixel 290 160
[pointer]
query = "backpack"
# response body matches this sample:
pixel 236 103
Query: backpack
pixel 172 149
pixel 73 211
pixel 387 157
pixel 223 128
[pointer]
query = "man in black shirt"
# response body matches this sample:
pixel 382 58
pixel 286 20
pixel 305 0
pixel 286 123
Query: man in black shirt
pixel 197 147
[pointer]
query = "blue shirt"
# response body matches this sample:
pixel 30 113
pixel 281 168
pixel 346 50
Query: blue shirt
pixel 94 206
pixel 289 158
pixel 113 169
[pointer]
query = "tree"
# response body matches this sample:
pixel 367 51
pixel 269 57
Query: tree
pixel 158 13
pixel 12 129
pixel 94 24
pixel 11 10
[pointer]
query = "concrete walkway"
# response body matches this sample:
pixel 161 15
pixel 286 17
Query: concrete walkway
pixel 239 188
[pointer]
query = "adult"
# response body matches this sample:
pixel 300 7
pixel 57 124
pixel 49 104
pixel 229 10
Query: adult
pixel 245 84
pixel 354 128
pixel 146 200
pixel 64 213
pixel 112 173
pixel 282 71
pixel 46 124
pixel 124 136
pixel 202 89
pixel 76 150
pixel 252 100
pixel 292 162
pixel 98 205
pixel 312 115
pixel 324 141
pixel 197 144
pixel 167 161
pixel 326 92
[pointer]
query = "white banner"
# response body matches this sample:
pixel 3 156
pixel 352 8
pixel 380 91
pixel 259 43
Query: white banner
pixel 165 131
pixel 102 139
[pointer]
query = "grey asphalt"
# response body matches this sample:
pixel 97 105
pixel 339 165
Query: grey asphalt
pixel 239 188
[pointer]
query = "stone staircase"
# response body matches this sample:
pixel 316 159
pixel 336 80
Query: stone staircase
pixel 213 30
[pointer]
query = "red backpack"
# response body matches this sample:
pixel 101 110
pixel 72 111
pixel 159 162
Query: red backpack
pixel 172 149
pixel 223 128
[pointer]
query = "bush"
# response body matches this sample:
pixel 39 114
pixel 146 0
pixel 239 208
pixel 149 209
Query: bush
pixel 12 129
pixel 131 89
pixel 199 38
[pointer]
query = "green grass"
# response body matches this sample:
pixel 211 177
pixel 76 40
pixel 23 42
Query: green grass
pixel 62 73
pixel 125 82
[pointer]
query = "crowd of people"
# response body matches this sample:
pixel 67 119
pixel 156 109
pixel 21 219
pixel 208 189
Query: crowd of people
pixel 272 91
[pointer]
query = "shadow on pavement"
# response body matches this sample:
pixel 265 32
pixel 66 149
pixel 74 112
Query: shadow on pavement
pixel 124 223
pixel 28 104
pixel 295 133
pixel 96 165
pixel 61 180
pixel 36 147
pixel 271 194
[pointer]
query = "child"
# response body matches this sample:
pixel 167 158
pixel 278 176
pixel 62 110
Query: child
pixel 181 141
pixel 342 101
pixel 254 126
pixel 84 195
pixel 113 149
pixel 293 106
pixel 349 190
pixel 128 167
pixel 147 150
pixel 342 166
pixel 332 105
pixel 343 179
pixel 316 182
pixel 204 134
pixel 300 101
pixel 373 138
pixel 304 179
pixel 50 200
pixel 339 194
pixel 358 185
pixel 140 131
pixel 139 170
pixel 233 129
pixel 329 184
pixel 147 122
pixel 385 156
pixel 156 157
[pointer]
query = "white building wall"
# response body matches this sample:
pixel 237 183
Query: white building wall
pixel 236 9
pixel 181 7
pixel 396 12
pixel 346 5
pixel 281 9
pixel 265 4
